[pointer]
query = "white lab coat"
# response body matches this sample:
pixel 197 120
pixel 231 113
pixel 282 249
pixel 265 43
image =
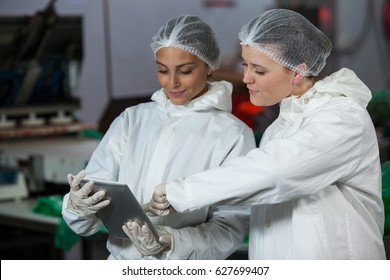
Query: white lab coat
pixel 314 183
pixel 158 141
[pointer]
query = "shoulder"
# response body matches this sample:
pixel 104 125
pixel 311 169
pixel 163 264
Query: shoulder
pixel 133 114
pixel 335 105
pixel 343 117
pixel 228 122
pixel 346 109
pixel 137 111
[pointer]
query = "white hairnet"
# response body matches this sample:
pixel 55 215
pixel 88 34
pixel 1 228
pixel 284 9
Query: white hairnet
pixel 190 34
pixel 288 38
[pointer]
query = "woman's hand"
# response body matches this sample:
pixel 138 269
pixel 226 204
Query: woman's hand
pixel 159 205
pixel 143 238
pixel 80 199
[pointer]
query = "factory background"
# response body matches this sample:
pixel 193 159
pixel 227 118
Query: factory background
pixel 118 33
pixel 109 65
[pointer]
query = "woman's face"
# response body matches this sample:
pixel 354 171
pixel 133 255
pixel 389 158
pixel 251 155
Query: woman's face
pixel 268 81
pixel 182 74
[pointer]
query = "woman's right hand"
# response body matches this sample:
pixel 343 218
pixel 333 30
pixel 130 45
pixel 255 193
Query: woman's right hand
pixel 80 201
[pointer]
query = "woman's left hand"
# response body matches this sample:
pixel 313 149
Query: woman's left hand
pixel 143 238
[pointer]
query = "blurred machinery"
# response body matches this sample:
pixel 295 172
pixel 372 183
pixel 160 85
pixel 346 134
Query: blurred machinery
pixel 13 184
pixel 40 60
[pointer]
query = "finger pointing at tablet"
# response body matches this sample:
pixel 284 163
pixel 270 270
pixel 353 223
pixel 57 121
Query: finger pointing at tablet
pixel 159 204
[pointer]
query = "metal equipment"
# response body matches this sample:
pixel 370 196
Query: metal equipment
pixel 40 61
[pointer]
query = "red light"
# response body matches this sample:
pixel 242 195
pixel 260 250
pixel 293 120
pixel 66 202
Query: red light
pixel 325 17
pixel 386 18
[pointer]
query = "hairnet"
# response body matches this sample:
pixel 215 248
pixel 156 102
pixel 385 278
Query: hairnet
pixel 190 34
pixel 288 38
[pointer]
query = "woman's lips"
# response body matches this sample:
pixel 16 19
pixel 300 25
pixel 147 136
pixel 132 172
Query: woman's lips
pixel 176 93
pixel 252 92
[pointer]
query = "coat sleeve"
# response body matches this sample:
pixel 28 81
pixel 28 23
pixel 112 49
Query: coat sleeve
pixel 83 226
pixel 102 164
pixel 324 150
pixel 220 236
pixel 224 230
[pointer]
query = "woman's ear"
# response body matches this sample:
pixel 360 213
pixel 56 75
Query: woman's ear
pixel 297 78
pixel 299 75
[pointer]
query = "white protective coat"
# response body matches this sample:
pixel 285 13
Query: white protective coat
pixel 158 141
pixel 314 183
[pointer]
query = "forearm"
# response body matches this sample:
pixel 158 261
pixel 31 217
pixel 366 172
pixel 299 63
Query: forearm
pixel 220 236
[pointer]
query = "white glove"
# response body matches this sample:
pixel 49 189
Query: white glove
pixel 159 205
pixel 144 240
pixel 80 200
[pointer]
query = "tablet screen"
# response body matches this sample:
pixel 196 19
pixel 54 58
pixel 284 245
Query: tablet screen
pixel 122 208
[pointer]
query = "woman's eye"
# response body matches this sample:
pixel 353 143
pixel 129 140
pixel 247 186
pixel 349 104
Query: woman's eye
pixel 259 71
pixel 162 71
pixel 185 72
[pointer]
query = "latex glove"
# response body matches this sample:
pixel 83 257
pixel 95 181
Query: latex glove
pixel 144 240
pixel 159 205
pixel 80 201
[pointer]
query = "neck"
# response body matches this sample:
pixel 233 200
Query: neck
pixel 306 84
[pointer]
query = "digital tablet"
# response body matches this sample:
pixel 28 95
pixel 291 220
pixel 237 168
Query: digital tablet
pixel 122 208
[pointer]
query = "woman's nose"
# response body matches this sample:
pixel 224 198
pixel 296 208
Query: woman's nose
pixel 173 81
pixel 247 78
